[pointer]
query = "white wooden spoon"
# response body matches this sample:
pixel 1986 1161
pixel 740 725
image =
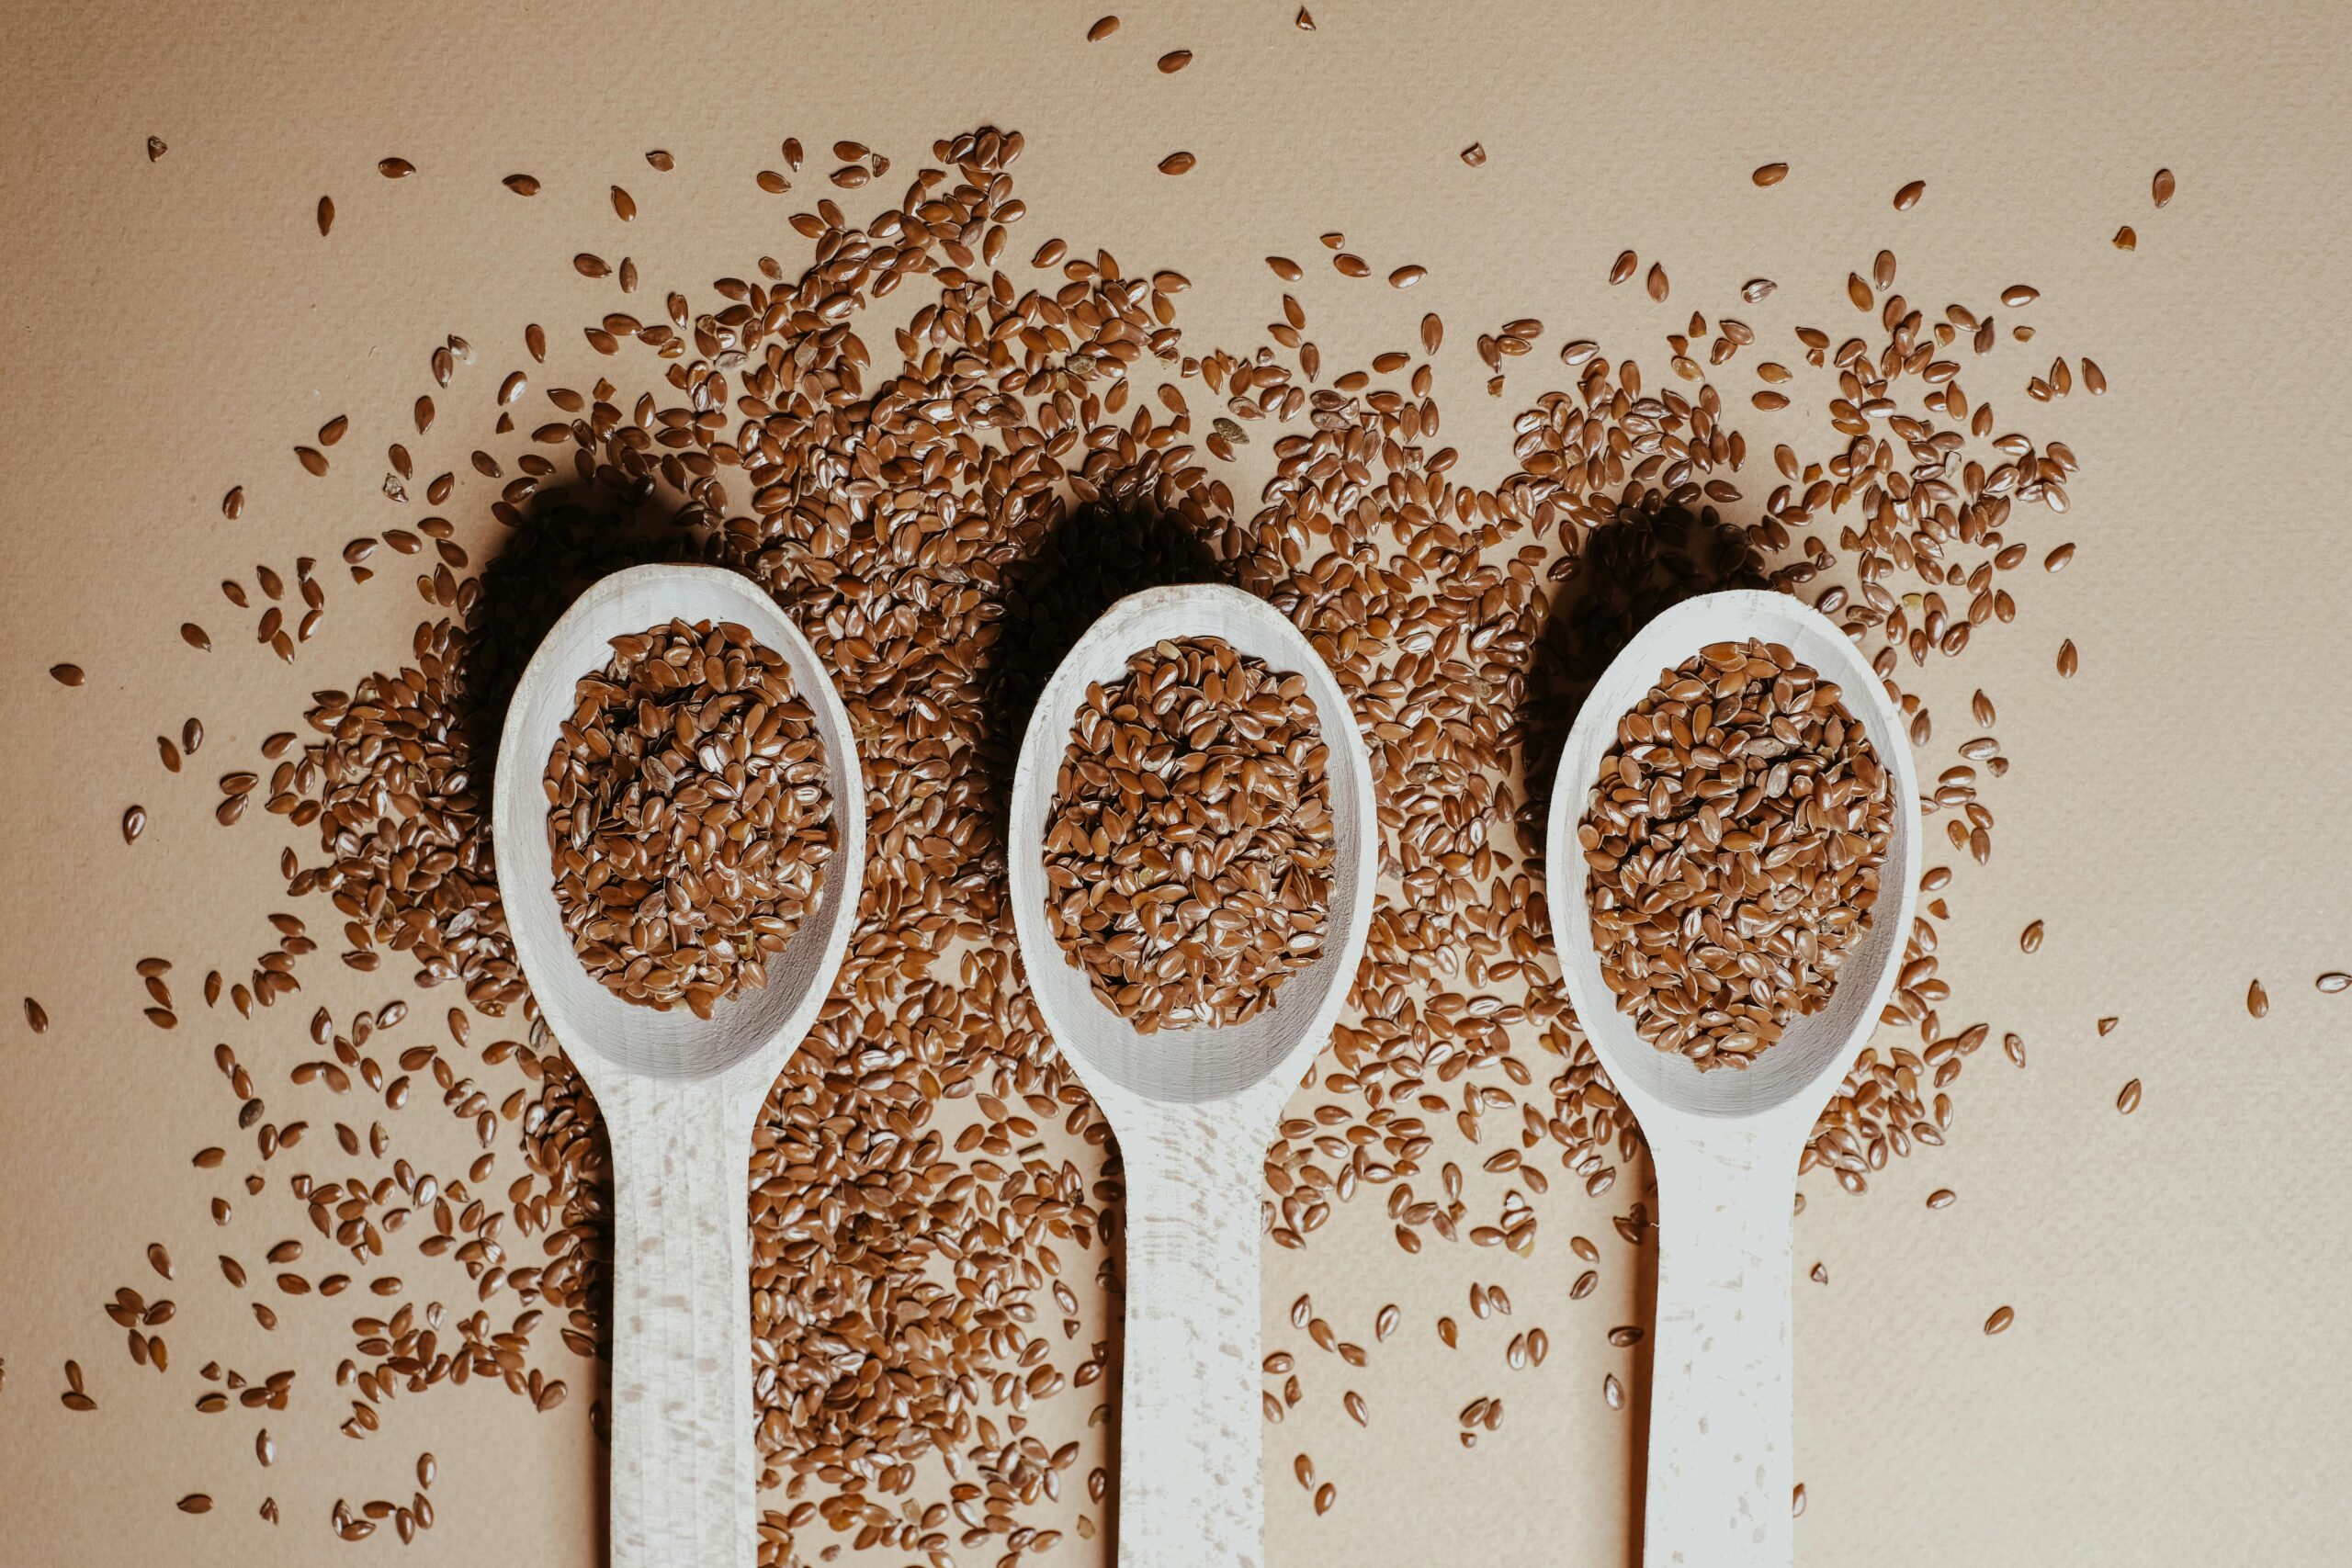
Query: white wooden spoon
pixel 1726 1144
pixel 1193 1109
pixel 679 1095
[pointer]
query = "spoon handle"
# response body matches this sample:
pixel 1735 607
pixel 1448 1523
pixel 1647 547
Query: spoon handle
pixel 683 1470
pixel 1720 1469
pixel 1190 1495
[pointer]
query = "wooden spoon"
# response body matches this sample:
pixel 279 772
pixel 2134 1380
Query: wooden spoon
pixel 1726 1144
pixel 679 1095
pixel 1193 1109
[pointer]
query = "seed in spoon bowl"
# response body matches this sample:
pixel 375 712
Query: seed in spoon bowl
pixel 688 816
pixel 1735 837
pixel 1189 846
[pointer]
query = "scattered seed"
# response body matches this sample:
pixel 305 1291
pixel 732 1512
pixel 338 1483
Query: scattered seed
pixel 2161 187
pixel 2068 659
pixel 2257 1000
pixel 2002 1318
pixel 1177 163
pixel 521 185
pixel 2128 1101
pixel 1102 29
pixel 1175 60
pixel 2029 940
pixel 1769 173
pixel 1908 196
pixel 2127 239
pixel 1475 154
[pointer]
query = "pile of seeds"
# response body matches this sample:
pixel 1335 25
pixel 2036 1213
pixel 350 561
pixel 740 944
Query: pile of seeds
pixel 688 816
pixel 947 500
pixel 1189 848
pixel 1733 837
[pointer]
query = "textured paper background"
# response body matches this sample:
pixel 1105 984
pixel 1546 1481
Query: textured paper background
pixel 2174 1388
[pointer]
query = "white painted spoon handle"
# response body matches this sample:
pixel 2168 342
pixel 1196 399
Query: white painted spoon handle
pixel 684 1471
pixel 1720 1469
pixel 1190 1496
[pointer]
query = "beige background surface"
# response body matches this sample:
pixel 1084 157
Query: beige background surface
pixel 2174 1388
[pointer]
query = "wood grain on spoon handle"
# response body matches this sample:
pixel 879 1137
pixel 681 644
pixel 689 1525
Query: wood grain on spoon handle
pixel 1720 1466
pixel 684 1471
pixel 1190 1491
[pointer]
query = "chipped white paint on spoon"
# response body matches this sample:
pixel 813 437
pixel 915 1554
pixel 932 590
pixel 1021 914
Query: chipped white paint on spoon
pixel 1726 1144
pixel 679 1094
pixel 1193 1109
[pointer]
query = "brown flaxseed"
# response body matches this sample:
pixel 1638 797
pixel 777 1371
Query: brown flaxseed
pixel 1734 838
pixel 1189 845
pixel 689 820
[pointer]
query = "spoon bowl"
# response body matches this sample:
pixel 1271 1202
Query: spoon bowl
pixel 1726 1142
pixel 1193 1109
pixel 678 1093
